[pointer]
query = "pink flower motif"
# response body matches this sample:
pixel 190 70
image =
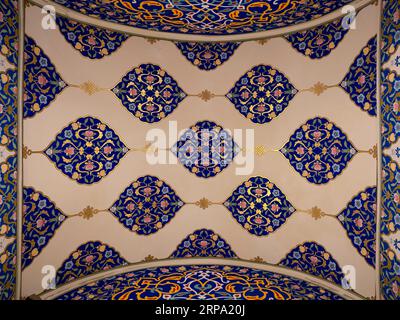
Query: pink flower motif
pixel 132 92
pixel 89 134
pixel 245 95
pixel 259 191
pixel 277 92
pixel 300 150
pixel 69 151
pixel 261 108
pixel 317 135
pixel 313 260
pixel 396 16
pixel 395 288
pixel 1 17
pixel 42 80
pixel 320 41
pixel 261 79
pixel 89 259
pixel 242 204
pixel 361 79
pixel 258 220
pixel 1 200
pixel 89 166
pixel 147 219
pixel 107 149
pixel 396 198
pixel 164 204
pixel 150 79
pixel 92 41
pixel 150 107
pixel 207 55
pixel 335 151
pixel 40 223
pixel 203 243
pixel 274 207
pixel 167 94
pixel 317 166
pixel 359 223
pixel 147 191
pixel 1 108
pixel 396 107
pixel 130 207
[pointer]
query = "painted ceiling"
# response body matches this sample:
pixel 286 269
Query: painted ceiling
pixel 207 17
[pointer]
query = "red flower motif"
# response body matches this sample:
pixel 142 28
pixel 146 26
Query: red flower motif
pixel 261 79
pixel 258 220
pixel 361 79
pixel 358 222
pixel 150 79
pixel 242 204
pixel 317 135
pixel 147 219
pixel 89 259
pixel 317 166
pixel 203 243
pixel 275 207
pixel 89 134
pixel 107 149
pixel 335 151
pixel 69 151
pixel 130 206
pixel 92 41
pixel 300 150
pixel 313 260
pixel 42 80
pixel 89 166
pixel 132 92
pixel 40 223
pixel 147 191
pixel 278 92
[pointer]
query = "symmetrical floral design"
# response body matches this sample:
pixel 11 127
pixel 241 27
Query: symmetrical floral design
pixel 262 94
pixel 86 150
pixel 203 243
pixel 259 206
pixel 8 147
pixel 149 93
pixel 42 82
pixel 147 205
pixel 91 42
pixel 390 29
pixel 205 149
pixel 200 282
pixel 215 17
pixel 319 42
pixel 207 56
pixel 312 258
pixel 390 270
pixel 359 220
pixel 9 31
pixel 90 257
pixel 360 81
pixel 41 220
pixel 390 216
pixel 390 107
pixel 8 262
pixel 319 151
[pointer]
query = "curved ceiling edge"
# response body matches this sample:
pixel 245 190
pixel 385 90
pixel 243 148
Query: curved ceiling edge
pixel 63 11
pixel 345 294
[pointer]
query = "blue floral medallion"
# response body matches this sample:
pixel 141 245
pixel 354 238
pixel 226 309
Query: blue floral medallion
pixel 42 82
pixel 200 282
pixel 91 42
pixel 318 42
pixel 358 218
pixel 390 29
pixel 207 56
pixel 90 257
pixel 9 31
pixel 207 17
pixel 319 151
pixel 390 107
pixel 259 206
pixel 86 150
pixel 8 263
pixel 41 220
pixel 203 243
pixel 262 94
pixel 147 205
pixel 360 81
pixel 149 93
pixel 390 269
pixel 390 216
pixel 205 149
pixel 312 258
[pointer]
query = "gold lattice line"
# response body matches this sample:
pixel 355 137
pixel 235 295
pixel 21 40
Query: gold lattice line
pixel 319 88
pixel 87 213
pixel 317 213
pixel 89 87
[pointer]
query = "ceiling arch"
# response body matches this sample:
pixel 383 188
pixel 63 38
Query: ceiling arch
pixel 203 20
